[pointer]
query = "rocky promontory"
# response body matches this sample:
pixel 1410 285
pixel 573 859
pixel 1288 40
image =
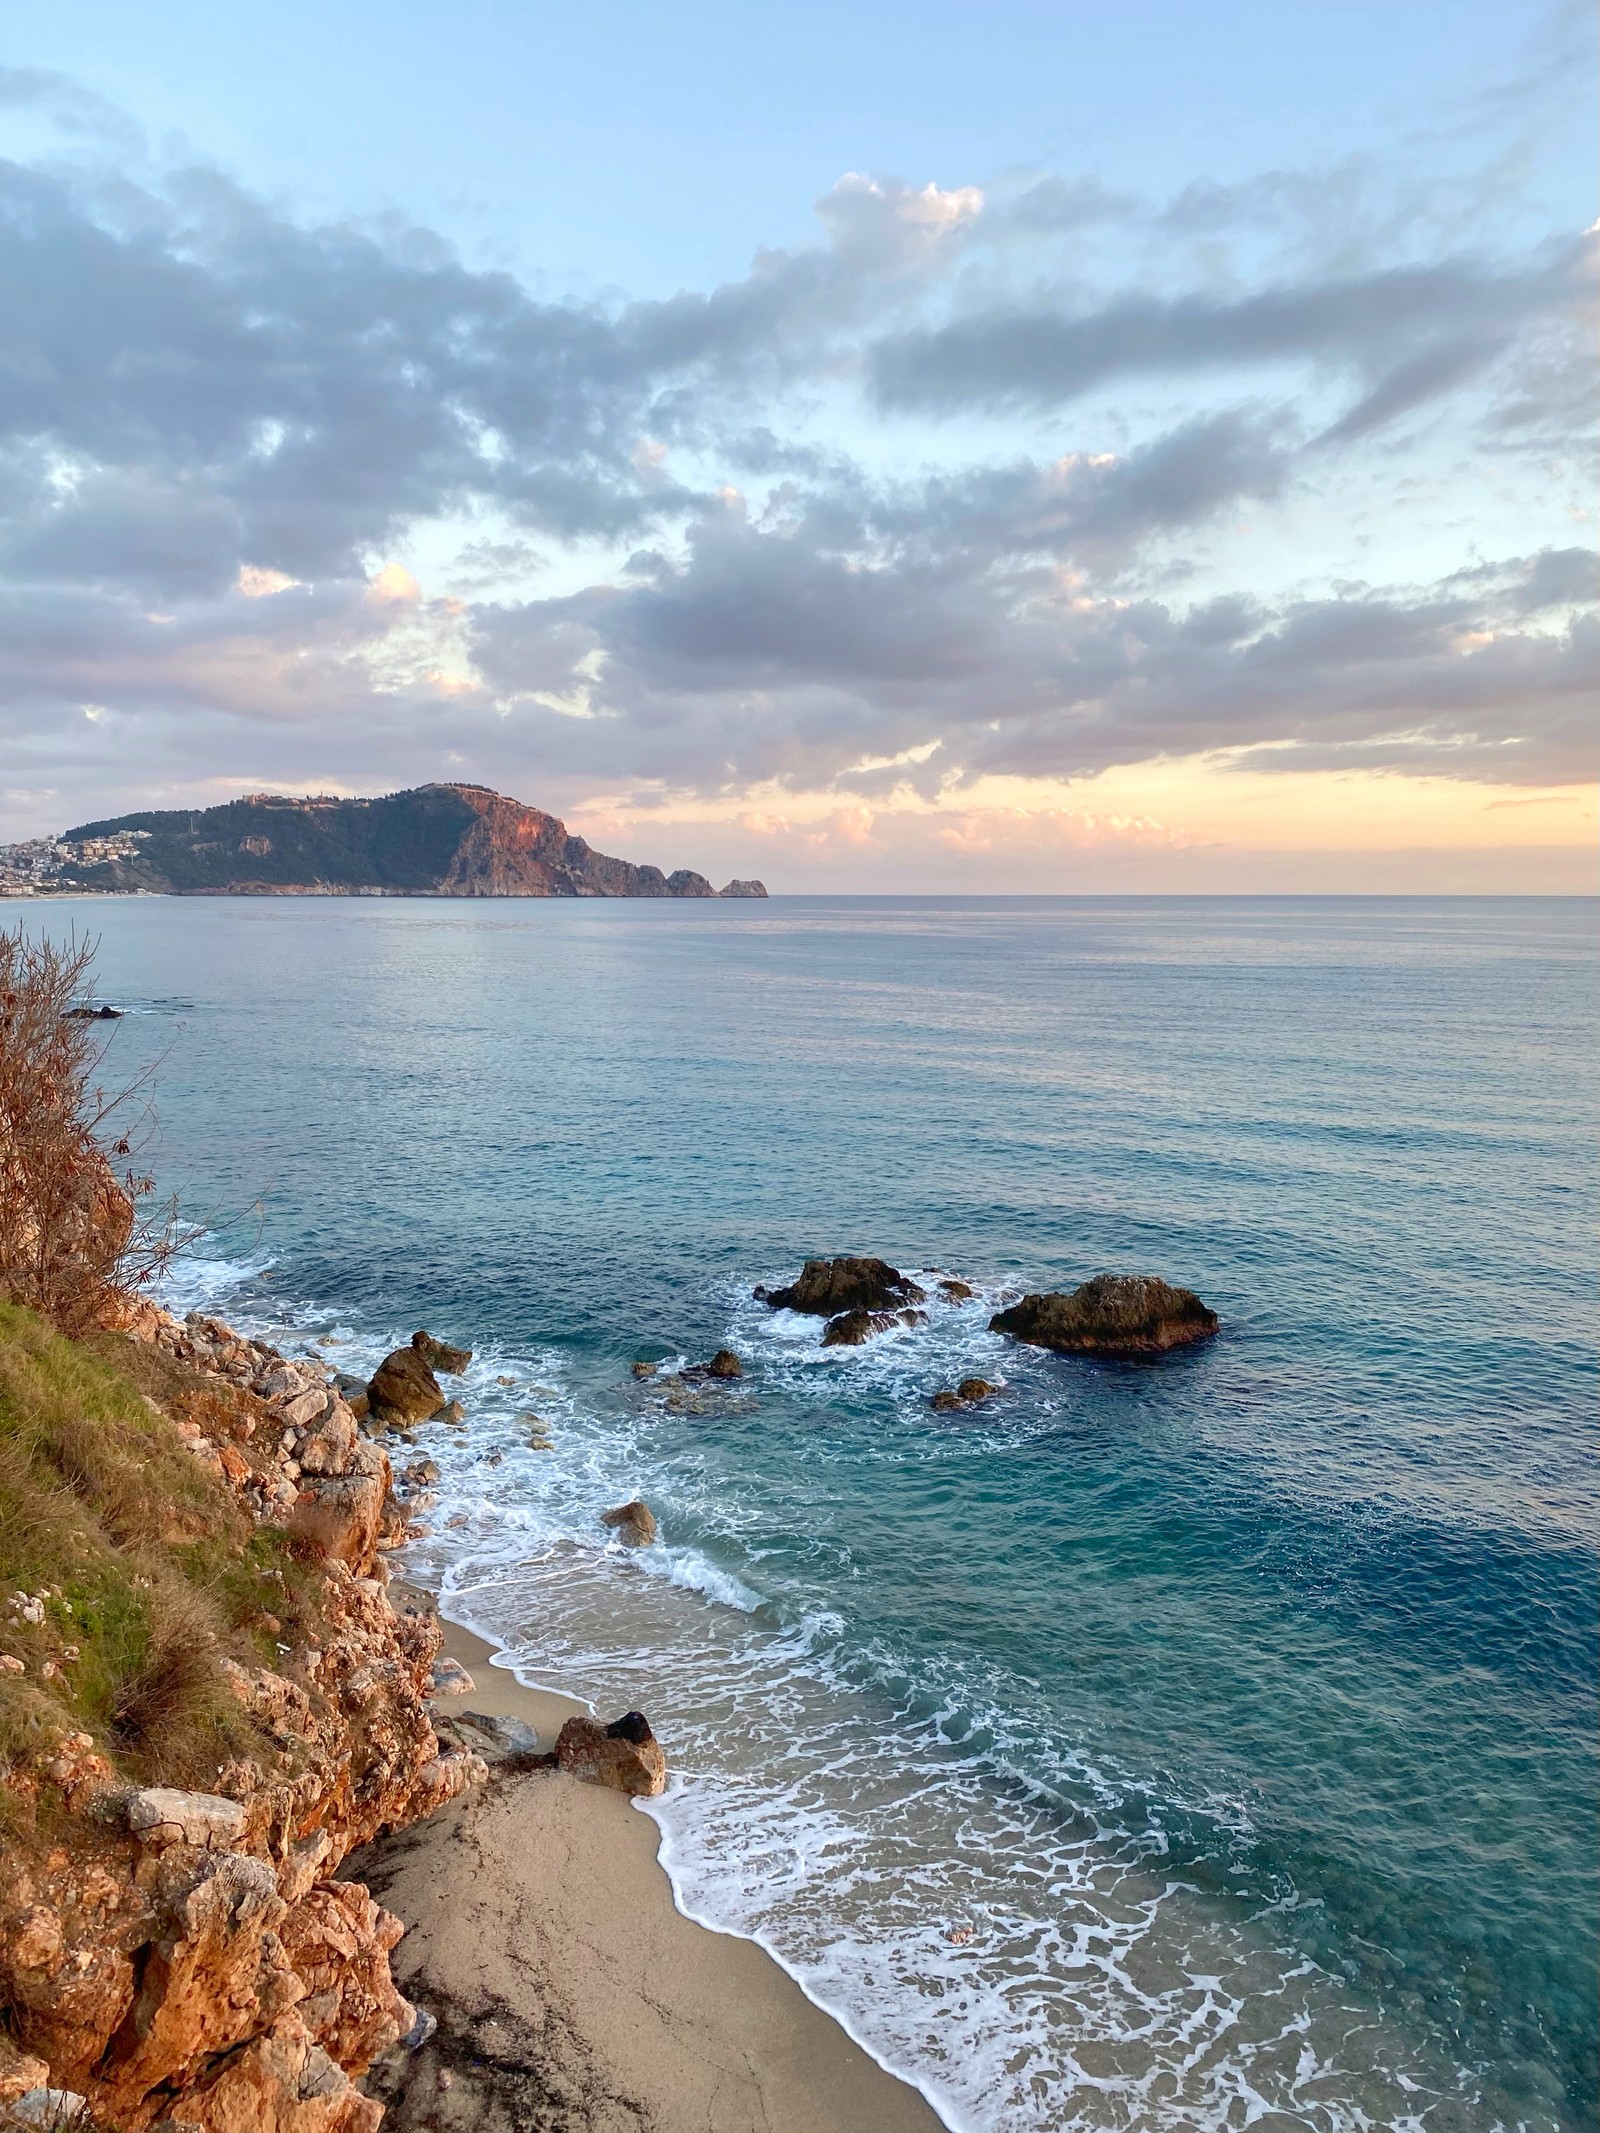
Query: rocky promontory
pixel 436 840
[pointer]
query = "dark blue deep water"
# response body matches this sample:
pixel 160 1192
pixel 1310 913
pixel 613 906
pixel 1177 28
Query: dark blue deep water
pixel 1201 1744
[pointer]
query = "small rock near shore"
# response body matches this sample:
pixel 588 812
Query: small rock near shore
pixel 625 1755
pixel 633 1523
pixel 404 1389
pixel 1114 1315
pixel 439 1355
pixel 828 1288
pixel 956 1291
pixel 644 1370
pixel 450 1678
pixel 851 1328
pixel 967 1394
pixel 724 1364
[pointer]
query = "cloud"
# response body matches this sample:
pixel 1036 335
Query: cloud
pixel 277 495
pixel 1415 331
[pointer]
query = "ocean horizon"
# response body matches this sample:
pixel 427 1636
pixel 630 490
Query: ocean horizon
pixel 1192 1744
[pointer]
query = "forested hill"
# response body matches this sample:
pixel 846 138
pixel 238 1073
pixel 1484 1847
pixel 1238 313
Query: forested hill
pixel 439 840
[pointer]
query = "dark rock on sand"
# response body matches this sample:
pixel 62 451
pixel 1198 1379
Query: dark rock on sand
pixel 439 1355
pixel 404 1389
pixel 633 1523
pixel 626 1756
pixel 724 1364
pixel 1126 1315
pixel 828 1287
pixel 851 1328
pixel 499 1739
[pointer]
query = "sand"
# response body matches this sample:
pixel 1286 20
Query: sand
pixel 571 1993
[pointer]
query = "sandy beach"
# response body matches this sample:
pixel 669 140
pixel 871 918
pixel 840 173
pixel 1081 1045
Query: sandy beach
pixel 571 1993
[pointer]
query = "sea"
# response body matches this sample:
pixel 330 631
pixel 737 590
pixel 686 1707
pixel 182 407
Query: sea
pixel 1199 1744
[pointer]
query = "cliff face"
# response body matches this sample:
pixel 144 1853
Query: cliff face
pixel 439 840
pixel 206 1701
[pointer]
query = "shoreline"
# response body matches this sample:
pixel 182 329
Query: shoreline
pixel 544 1933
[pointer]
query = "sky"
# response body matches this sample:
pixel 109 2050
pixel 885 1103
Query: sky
pixel 1038 448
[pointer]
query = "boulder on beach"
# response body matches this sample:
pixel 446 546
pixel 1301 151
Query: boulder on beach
pixel 1126 1315
pixel 439 1355
pixel 851 1328
pixel 633 1523
pixel 404 1389
pixel 724 1364
pixel 625 1755
pixel 829 1287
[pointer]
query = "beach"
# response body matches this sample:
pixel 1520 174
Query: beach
pixel 571 1992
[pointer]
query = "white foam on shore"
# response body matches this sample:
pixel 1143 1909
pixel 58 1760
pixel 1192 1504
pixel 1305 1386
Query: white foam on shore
pixel 963 1890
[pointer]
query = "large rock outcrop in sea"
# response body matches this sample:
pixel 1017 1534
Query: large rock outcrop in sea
pixel 1116 1315
pixel 438 840
pixel 829 1287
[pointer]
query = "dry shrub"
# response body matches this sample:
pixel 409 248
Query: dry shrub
pixel 75 1236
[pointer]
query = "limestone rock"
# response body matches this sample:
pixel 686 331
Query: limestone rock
pixel 744 888
pixel 851 1328
pixel 160 1815
pixel 625 1755
pixel 633 1523
pixel 439 1355
pixel 404 1389
pixel 1126 1315
pixel 829 1287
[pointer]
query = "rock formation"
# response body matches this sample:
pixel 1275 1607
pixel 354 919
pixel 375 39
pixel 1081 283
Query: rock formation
pixel 438 840
pixel 827 1287
pixel 186 1954
pixel 1115 1315
pixel 967 1394
pixel 403 1389
pixel 625 1755
pixel 439 1355
pixel 724 1364
pixel 633 1523
pixel 851 1328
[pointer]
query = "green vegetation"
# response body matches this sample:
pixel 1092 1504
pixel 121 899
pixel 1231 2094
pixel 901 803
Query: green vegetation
pixel 128 1570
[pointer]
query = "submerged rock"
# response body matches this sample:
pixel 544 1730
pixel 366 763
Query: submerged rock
pixel 1125 1315
pixel 439 1355
pixel 404 1389
pixel 625 1755
pixel 828 1287
pixel 851 1328
pixel 633 1523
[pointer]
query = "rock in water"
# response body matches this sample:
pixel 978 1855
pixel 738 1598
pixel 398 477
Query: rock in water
pixel 1125 1315
pixel 439 1355
pixel 967 1394
pixel 956 1291
pixel 404 1389
pixel 724 1364
pixel 626 1756
pixel 633 1523
pixel 828 1287
pixel 851 1328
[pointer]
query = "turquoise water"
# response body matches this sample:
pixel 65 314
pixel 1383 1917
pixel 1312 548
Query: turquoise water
pixel 1199 1744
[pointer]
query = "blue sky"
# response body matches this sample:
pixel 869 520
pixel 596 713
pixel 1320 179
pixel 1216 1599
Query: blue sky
pixel 1027 447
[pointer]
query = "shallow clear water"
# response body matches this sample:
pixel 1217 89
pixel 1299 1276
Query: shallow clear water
pixel 1202 1744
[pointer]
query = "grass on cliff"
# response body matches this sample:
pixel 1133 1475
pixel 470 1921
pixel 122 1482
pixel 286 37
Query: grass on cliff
pixel 144 1562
